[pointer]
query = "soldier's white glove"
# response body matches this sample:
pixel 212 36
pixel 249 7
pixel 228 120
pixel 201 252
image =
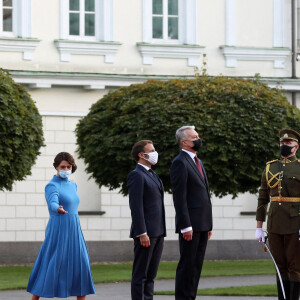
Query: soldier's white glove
pixel 259 235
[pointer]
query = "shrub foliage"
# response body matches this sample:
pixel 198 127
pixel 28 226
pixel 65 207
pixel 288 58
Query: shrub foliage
pixel 237 119
pixel 21 134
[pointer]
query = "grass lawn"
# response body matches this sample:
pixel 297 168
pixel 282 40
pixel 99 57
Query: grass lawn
pixel 16 277
pixel 256 290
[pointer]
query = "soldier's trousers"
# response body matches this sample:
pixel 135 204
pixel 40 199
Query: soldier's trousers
pixel 286 252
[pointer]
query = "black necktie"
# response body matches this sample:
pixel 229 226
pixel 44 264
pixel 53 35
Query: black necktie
pixel 155 177
pixel 151 172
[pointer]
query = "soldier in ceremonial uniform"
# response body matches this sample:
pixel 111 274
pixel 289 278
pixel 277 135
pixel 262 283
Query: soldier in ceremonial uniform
pixel 280 186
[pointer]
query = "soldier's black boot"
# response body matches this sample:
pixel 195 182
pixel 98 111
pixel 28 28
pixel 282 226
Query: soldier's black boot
pixel 294 290
pixel 286 286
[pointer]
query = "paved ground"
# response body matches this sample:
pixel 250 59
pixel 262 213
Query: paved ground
pixel 121 291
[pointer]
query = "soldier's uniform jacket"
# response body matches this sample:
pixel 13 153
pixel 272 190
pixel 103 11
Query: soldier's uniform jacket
pixel 280 186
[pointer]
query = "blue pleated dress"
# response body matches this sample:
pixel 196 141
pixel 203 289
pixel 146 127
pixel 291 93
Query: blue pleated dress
pixel 62 268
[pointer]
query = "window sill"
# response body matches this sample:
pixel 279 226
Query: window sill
pixel 190 52
pixel 91 213
pixel 232 54
pixel 25 45
pixel 68 47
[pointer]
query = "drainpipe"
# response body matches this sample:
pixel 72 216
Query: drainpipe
pixel 294 46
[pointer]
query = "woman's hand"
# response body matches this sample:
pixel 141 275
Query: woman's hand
pixel 61 210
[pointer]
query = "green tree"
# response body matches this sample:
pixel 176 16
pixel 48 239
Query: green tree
pixel 238 121
pixel 21 134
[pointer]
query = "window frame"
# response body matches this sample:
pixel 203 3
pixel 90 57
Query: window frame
pixel 187 23
pixel 278 53
pixel 82 12
pixel 103 22
pixel 8 33
pixel 165 16
pixel 103 45
pixel 19 40
pixel 21 26
pixel 186 46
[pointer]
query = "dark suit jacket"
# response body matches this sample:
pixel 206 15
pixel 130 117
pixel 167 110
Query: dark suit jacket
pixel 146 200
pixel 190 195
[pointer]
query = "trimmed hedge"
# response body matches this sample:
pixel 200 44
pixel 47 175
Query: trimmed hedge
pixel 21 134
pixel 238 121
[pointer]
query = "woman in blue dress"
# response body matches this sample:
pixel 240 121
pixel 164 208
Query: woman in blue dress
pixel 62 268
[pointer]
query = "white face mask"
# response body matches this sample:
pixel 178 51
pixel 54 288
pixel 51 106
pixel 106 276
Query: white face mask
pixel 64 174
pixel 153 157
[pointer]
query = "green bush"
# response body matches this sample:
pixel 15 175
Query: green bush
pixel 21 134
pixel 238 121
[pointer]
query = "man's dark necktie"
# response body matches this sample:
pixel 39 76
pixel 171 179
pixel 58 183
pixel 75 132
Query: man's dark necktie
pixel 197 161
pixel 155 177
pixel 153 174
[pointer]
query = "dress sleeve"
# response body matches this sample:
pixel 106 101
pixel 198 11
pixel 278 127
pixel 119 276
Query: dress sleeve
pixel 263 199
pixel 51 193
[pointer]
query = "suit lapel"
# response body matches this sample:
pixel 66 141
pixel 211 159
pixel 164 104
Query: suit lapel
pixel 152 177
pixel 190 161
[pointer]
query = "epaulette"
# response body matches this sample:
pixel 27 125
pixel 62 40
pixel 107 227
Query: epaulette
pixel 272 161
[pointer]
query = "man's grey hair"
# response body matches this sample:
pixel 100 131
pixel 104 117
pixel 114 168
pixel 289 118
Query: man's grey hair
pixel 180 133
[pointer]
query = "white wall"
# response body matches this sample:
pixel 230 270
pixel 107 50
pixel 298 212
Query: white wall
pixel 24 213
pixel 254 28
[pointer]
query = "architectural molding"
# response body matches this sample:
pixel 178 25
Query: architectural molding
pixel 62 114
pixel 285 86
pixel 233 54
pixel 190 52
pixel 298 31
pixel 278 23
pixel 24 45
pixel 66 48
pixel 106 21
pixel 23 15
pixel 46 80
pixel 188 22
pixel 230 20
pixel 34 79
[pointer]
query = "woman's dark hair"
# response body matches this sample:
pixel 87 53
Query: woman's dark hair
pixel 67 157
pixel 138 147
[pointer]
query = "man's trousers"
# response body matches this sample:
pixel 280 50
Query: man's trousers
pixel 145 265
pixel 190 265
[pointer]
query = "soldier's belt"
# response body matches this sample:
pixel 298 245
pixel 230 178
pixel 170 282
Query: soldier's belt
pixel 285 199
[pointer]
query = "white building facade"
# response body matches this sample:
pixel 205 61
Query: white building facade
pixel 69 53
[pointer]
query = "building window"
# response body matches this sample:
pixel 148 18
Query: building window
pixel 86 28
pixel 15 28
pixel 170 31
pixel 165 19
pixel 6 28
pixel 170 22
pixel 82 17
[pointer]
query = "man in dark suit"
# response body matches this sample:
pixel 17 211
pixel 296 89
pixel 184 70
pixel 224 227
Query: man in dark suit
pixel 148 229
pixel 193 212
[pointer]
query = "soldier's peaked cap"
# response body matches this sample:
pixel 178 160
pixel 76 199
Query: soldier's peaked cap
pixel 289 135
